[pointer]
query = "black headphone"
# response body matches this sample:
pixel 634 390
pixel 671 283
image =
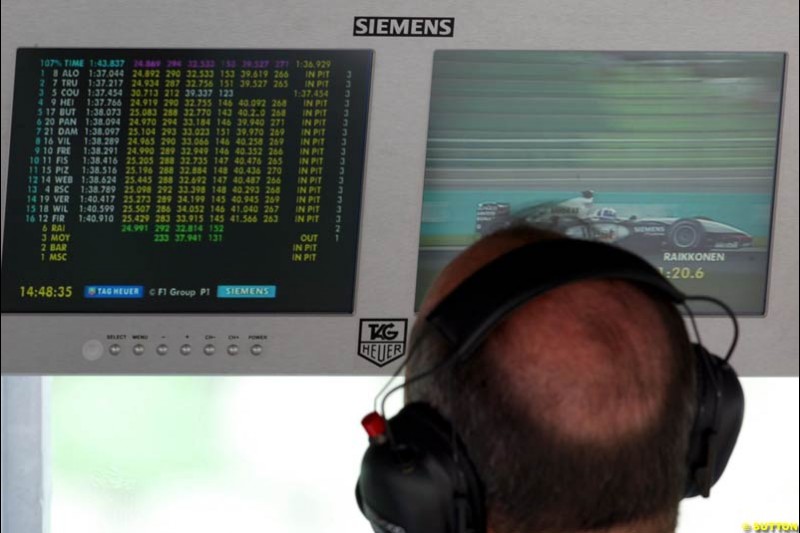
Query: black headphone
pixel 416 475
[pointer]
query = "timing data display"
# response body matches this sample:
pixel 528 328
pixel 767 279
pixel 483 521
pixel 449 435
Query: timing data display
pixel 185 180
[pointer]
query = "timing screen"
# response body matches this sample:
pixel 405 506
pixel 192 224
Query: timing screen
pixel 668 154
pixel 185 180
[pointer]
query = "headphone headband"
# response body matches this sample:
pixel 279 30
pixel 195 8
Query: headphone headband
pixel 466 316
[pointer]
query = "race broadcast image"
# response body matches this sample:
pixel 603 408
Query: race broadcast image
pixel 671 155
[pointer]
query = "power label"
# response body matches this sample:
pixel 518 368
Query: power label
pixel 382 340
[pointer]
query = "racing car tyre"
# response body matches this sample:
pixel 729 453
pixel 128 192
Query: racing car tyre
pixel 686 234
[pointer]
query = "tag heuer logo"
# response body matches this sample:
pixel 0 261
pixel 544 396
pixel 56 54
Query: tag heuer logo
pixel 382 340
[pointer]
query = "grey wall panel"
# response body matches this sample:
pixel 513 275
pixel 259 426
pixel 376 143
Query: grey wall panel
pixel 25 432
pixel 395 155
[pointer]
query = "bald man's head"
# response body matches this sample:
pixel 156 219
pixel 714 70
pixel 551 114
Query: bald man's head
pixel 576 410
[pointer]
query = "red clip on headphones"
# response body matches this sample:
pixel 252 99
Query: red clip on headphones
pixel 416 475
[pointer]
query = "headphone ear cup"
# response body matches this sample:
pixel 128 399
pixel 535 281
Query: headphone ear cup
pixel 414 485
pixel 719 411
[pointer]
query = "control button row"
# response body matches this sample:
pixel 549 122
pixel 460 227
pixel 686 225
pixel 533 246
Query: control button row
pixel 163 349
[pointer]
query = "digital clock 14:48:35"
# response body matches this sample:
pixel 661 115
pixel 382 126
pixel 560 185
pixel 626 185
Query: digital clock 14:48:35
pixel 45 291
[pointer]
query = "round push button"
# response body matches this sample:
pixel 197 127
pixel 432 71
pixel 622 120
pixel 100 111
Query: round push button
pixel 92 350
pixel 115 349
pixel 233 349
pixel 256 349
pixel 162 349
pixel 138 349
pixel 186 349
pixel 209 349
